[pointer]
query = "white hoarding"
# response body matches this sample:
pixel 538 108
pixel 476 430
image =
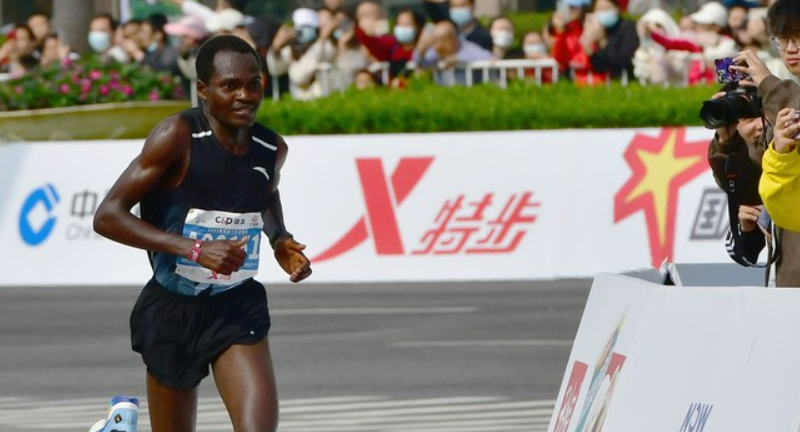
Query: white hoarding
pixel 410 207
pixel 688 359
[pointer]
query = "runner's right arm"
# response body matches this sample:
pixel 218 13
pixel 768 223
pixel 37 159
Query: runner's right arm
pixel 161 165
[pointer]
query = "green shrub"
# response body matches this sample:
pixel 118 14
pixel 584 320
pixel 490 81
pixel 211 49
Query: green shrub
pixel 425 107
pixel 88 81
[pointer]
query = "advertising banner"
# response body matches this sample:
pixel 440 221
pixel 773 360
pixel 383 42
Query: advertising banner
pixel 410 207
pixel 688 359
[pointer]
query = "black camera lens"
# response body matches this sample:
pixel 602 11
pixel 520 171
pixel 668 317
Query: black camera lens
pixel 735 105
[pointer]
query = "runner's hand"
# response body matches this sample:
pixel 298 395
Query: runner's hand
pixel 289 255
pixel 223 256
pixel 748 217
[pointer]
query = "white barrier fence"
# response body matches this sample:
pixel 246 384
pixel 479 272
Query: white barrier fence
pixel 411 207
pixel 688 359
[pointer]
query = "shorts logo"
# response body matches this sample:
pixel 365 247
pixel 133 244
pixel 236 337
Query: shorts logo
pixel 41 201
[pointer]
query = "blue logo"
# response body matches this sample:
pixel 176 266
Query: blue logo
pixel 696 417
pixel 44 196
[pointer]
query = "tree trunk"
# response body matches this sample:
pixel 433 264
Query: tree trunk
pixel 72 18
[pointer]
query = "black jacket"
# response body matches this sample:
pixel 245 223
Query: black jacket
pixel 617 56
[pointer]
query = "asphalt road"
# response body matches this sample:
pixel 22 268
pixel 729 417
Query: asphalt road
pixel 372 357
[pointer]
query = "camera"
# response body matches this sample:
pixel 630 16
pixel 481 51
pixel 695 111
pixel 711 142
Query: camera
pixel 739 101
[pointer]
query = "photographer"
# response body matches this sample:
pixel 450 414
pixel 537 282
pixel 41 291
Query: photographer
pixel 736 161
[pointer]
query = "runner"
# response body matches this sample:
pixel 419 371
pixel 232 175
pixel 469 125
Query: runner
pixel 207 180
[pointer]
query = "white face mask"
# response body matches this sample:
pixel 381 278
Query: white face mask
pixel 503 38
pixel 535 48
pixel 99 41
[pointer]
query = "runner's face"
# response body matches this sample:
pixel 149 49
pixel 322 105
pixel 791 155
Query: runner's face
pixel 235 90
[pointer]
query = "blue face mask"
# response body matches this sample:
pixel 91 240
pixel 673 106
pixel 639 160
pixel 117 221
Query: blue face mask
pixel 461 16
pixel 406 34
pixel 152 47
pixel 99 41
pixel 608 18
pixel 306 35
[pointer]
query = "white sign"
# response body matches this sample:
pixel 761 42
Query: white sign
pixel 411 207
pixel 688 359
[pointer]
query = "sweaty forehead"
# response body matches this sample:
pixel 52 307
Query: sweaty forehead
pixel 232 64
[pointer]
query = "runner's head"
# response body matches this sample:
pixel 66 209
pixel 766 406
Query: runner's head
pixel 229 80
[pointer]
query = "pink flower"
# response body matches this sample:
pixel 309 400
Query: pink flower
pixel 95 75
pixel 114 75
pixel 127 90
pixel 18 89
pixel 103 89
pixel 154 95
pixel 86 85
pixel 64 88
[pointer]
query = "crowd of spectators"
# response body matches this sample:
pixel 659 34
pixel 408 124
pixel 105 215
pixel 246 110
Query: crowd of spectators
pixel 334 47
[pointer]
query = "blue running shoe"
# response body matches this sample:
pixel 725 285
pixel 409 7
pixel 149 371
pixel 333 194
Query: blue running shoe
pixel 123 416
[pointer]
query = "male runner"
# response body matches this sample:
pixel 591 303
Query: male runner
pixel 207 180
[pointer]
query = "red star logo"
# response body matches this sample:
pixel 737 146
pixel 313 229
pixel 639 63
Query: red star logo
pixel 661 166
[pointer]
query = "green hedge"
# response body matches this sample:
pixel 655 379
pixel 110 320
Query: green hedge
pixel 427 108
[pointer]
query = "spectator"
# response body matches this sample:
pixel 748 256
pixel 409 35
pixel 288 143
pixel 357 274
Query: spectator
pixel 533 46
pixel 190 32
pixel 19 52
pixel 350 55
pixel 371 18
pixel 152 49
pixel 54 51
pixel 710 22
pixel 610 41
pixel 737 23
pixel 225 22
pixel 652 63
pixel 131 29
pixel 398 48
pixel 502 31
pixel 444 50
pixel 40 26
pixel 301 52
pixel 101 36
pixel 462 13
pixel 567 48
pixel 364 79
pixel 335 6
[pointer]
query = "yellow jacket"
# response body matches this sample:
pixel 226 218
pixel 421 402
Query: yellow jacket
pixel 780 187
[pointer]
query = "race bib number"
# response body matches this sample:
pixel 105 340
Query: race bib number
pixel 208 225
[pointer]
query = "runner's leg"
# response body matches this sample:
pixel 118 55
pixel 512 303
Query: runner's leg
pixel 246 382
pixel 171 409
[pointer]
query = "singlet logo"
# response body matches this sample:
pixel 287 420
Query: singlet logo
pixel 36 219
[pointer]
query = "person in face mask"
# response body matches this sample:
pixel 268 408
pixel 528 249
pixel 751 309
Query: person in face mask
pixel 101 39
pixel 610 41
pixel 710 21
pixel 152 49
pixel 299 51
pixel 502 31
pixel 396 48
pixel 462 13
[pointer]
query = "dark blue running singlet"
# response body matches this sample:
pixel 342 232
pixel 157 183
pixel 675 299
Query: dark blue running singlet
pixel 222 196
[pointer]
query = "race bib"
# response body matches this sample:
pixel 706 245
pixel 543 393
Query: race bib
pixel 208 225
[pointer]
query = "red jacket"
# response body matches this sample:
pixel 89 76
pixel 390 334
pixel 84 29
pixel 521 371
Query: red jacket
pixel 570 55
pixel 384 48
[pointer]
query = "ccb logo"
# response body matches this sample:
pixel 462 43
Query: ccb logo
pixel 41 201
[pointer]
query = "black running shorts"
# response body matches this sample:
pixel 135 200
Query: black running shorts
pixel 179 336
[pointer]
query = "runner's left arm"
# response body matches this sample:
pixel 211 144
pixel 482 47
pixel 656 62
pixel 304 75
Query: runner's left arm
pixel 288 252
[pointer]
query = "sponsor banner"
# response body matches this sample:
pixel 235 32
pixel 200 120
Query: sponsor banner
pixel 682 359
pixel 411 207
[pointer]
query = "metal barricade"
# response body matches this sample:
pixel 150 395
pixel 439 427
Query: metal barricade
pixel 503 66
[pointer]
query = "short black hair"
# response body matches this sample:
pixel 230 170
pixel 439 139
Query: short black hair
pixel 157 21
pixel 217 44
pixel 783 18
pixel 419 19
pixel 106 16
